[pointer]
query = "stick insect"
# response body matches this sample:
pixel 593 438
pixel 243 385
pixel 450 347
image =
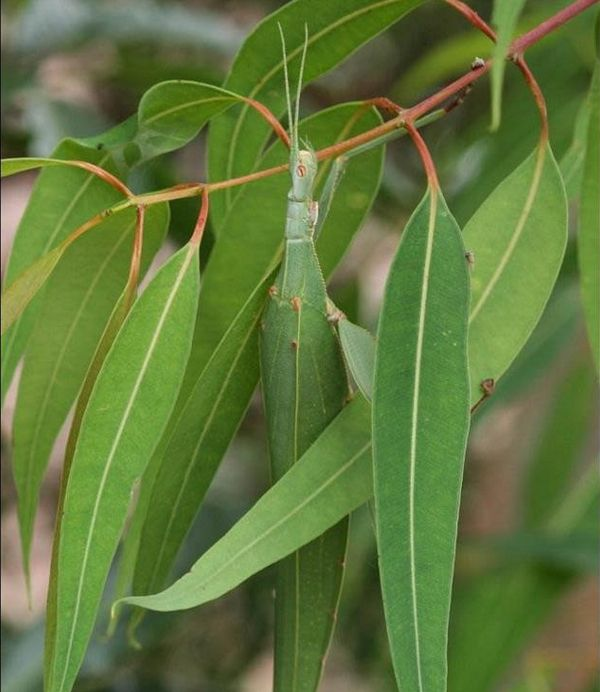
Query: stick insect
pixel 304 386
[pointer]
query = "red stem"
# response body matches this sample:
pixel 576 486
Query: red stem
pixel 104 175
pixel 136 254
pixel 278 128
pixel 425 155
pixel 474 18
pixel 523 42
pixel 202 217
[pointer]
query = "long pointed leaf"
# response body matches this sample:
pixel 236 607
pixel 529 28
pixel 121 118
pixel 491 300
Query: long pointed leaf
pixel 589 222
pixel 505 16
pixel 420 425
pixel 330 480
pixel 72 315
pixel 126 415
pixel 62 199
pixel 518 239
pixel 359 351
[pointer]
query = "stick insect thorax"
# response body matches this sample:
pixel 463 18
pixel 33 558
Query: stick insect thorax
pixel 302 210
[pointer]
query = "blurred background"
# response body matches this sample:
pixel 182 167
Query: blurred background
pixel 526 598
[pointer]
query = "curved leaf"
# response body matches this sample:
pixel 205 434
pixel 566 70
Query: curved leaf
pixel 120 312
pixel 330 480
pixel 171 114
pixel 73 312
pixel 518 239
pixel 21 292
pixel 13 166
pixel 359 350
pixel 62 199
pixel 125 417
pixel 336 30
pixel 195 444
pixel 420 425
pixel 505 16
pixel 589 222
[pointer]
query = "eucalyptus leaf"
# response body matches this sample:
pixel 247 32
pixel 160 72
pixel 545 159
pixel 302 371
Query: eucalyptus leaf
pixel 571 164
pixel 194 445
pixel 505 16
pixel 335 30
pixel 125 417
pixel 62 199
pixel 120 312
pixel 589 222
pixel 73 313
pixel 172 113
pixel 19 294
pixel 359 350
pixel 517 238
pixel 420 426
pixel 561 444
pixel 10 167
pixel 330 480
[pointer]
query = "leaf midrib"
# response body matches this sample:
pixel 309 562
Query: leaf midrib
pixel 49 387
pixel 113 449
pixel 248 547
pixel 522 220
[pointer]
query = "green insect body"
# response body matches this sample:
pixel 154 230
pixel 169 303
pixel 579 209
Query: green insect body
pixel 304 388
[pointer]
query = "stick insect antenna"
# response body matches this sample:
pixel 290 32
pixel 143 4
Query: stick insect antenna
pixel 294 143
pixel 299 87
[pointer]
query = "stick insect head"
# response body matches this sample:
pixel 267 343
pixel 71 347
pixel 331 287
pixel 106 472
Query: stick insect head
pixel 303 162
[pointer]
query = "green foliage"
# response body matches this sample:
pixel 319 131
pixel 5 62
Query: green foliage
pixel 420 425
pixel 589 223
pixel 125 416
pixel 330 480
pixel 163 385
pixel 505 16
pixel 517 238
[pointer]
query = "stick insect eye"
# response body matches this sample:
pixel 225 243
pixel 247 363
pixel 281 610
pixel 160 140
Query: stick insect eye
pixel 301 170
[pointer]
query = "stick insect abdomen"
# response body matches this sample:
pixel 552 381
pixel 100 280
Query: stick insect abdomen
pixel 304 388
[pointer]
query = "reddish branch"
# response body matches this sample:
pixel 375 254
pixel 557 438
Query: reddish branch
pixel 403 117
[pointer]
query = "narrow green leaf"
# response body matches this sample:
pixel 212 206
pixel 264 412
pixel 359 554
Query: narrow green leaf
pixel 504 17
pixel 330 480
pixel 589 222
pixel 172 113
pixel 113 327
pixel 195 443
pixel 10 167
pixel 561 444
pixel 125 417
pixel 420 425
pixel 73 313
pixel 336 30
pixel 62 199
pixel 571 164
pixel 359 351
pixel 496 613
pixel 20 293
pixel 518 239
pixel 576 551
